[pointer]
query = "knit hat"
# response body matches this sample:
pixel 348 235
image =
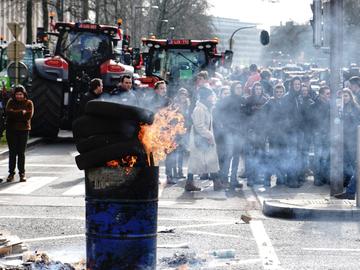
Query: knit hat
pixel 204 93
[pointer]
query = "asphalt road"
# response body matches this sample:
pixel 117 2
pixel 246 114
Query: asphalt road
pixel 47 213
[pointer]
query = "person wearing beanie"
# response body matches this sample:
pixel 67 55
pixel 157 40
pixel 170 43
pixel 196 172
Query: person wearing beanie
pixel 19 111
pixel 203 155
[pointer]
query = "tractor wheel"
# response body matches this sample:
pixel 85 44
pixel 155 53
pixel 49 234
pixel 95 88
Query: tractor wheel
pixel 47 98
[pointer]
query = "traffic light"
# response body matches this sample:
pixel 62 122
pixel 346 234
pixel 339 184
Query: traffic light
pixel 316 22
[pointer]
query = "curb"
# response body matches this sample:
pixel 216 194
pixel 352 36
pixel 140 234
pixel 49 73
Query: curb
pixel 288 209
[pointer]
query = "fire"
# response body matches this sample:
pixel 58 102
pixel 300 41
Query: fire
pixel 159 138
pixel 128 162
pixel 112 163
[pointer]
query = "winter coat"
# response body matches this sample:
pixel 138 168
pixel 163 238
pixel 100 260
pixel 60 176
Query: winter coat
pixel 124 96
pixel 351 119
pixel 202 160
pixel 88 96
pixel 16 119
pixel 307 112
pixel 274 119
pixel 293 112
pixel 322 117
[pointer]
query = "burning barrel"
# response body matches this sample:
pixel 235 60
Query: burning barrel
pixel 121 187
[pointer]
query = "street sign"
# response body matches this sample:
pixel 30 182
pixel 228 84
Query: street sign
pixel 15 28
pixel 15 50
pixel 23 72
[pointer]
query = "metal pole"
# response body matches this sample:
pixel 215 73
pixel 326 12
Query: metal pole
pixel 237 30
pixel 336 127
pixel 357 196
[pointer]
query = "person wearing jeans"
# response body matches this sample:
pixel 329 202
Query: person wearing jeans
pixel 19 111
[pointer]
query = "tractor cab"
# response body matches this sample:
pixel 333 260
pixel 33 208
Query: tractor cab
pixel 178 60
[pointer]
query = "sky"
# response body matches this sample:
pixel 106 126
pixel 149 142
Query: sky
pixel 264 12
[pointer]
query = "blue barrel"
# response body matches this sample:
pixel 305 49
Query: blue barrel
pixel 121 218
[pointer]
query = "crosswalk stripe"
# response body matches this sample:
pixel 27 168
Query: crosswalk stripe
pixel 32 184
pixel 77 190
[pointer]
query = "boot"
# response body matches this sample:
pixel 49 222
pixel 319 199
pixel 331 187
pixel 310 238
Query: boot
pixel 22 177
pixel 10 178
pixel 218 185
pixel 189 186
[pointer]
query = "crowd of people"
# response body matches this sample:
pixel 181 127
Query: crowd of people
pixel 281 130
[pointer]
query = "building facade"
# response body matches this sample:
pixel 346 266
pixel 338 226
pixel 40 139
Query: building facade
pixel 246 42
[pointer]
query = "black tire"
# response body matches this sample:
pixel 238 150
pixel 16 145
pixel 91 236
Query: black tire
pixel 119 111
pixel 97 141
pixel 99 157
pixel 47 97
pixel 87 126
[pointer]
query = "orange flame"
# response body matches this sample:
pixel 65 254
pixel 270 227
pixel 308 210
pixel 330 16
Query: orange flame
pixel 112 163
pixel 128 162
pixel 159 138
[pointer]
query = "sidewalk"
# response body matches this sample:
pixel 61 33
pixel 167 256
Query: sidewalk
pixel 306 202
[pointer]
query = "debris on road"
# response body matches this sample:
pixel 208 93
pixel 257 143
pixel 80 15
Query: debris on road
pixel 11 244
pixel 183 260
pixel 246 218
pixel 165 230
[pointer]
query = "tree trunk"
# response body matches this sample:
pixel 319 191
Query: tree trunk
pixel 45 12
pixel 29 33
pixel 85 10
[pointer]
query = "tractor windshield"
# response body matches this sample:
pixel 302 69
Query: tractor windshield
pixel 85 48
pixel 178 64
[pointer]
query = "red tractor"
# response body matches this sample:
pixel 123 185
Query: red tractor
pixel 83 51
pixel 178 60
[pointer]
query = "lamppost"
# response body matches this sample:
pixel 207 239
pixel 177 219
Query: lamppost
pixel 133 15
pixel 237 30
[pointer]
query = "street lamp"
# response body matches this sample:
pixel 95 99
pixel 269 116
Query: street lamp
pixel 237 30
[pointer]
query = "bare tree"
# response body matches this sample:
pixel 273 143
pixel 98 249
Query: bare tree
pixel 29 14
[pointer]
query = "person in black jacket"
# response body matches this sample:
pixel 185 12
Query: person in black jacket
pixel 228 123
pixel 255 157
pixel 292 128
pixel 306 127
pixel 95 91
pixel 274 129
pixel 322 138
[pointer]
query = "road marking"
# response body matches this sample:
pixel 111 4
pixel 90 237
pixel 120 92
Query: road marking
pixel 32 184
pixel 266 250
pixel 332 249
pixel 46 165
pixel 216 234
pixel 52 238
pixel 201 225
pixel 77 190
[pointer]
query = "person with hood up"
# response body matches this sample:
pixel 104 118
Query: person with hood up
pixel 255 156
pixel 19 111
pixel 294 118
pixel 203 156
